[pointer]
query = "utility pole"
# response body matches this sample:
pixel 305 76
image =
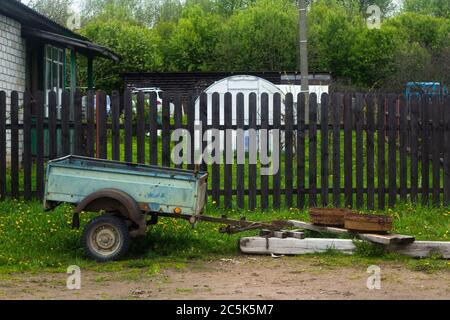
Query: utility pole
pixel 303 36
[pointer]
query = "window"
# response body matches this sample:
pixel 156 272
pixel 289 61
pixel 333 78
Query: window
pixel 54 72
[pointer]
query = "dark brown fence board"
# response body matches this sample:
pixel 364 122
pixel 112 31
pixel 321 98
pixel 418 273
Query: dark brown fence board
pixel 348 150
pixel 403 126
pixel 253 152
pixel 140 127
pixel 14 115
pixel 52 133
pixel 204 124
pixel 264 204
pixel 229 154
pixel 337 103
pixel 381 135
pixel 359 123
pixel 436 147
pixel 276 183
pixel 370 159
pixel 324 172
pixel 102 144
pixel 392 105
pixel 166 130
pixel 115 128
pixel 425 147
pixel 178 119
pixel 65 117
pixel 27 105
pixel 190 125
pixel 288 149
pixel 240 167
pixel 90 124
pixel 2 144
pixel 128 125
pixel 301 104
pixel 39 144
pixel 312 150
pixel 153 115
pixel 78 124
pixel 215 166
pixel 414 140
pixel 447 150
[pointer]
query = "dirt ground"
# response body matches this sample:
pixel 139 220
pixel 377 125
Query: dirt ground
pixel 244 277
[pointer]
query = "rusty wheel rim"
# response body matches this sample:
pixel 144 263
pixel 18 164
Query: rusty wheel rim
pixel 105 240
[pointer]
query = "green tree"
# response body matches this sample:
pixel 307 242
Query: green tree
pixel 57 10
pixel 192 42
pixel 262 37
pixel 438 8
pixel 138 47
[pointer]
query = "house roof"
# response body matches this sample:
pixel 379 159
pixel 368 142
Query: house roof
pixel 37 25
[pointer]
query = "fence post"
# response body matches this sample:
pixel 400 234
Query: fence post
pixel 264 126
pixel 216 166
pixel 348 152
pixel 289 119
pixel 359 124
pixel 337 103
pixel 102 144
pixel 392 104
pixel 140 127
pixel 276 199
pixel 381 123
pixel 14 113
pixel 128 124
pixel 370 152
pixel 2 144
pixel 324 148
pixel 301 105
pixel 312 150
pixel 414 147
pixel 39 144
pixel 403 123
pixel 229 153
pixel 240 143
pixel 26 146
pixel 447 150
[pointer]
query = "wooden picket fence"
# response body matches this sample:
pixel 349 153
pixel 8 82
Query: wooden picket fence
pixel 365 150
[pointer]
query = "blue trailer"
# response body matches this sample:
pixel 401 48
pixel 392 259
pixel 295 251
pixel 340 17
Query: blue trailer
pixel 130 197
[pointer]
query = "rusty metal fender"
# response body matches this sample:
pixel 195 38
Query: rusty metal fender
pixel 115 201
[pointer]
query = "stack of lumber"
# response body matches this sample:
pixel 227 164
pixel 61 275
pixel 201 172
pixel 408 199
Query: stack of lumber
pixel 283 242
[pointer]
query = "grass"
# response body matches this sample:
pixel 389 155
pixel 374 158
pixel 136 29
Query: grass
pixel 35 241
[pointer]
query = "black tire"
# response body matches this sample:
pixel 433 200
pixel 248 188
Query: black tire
pixel 106 238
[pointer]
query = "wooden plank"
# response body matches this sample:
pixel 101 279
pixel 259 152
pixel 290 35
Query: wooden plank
pixel 386 239
pixel 65 117
pixel 115 125
pixel 392 105
pixel 229 153
pixel 128 125
pixel 215 171
pixel 178 118
pixel 425 148
pixel 26 145
pixel 2 145
pixel 291 246
pixel 447 151
pixel 359 122
pixel 348 153
pixel 436 147
pixel 153 115
pixel 14 116
pixel 337 103
pixel 140 127
pixel 240 167
pixel 190 126
pixel 301 105
pixel 288 152
pixel 204 124
pixel 370 160
pixel 39 96
pixel 276 198
pixel 52 133
pixel 414 138
pixel 90 124
pixel 102 144
pixel 312 227
pixel 312 150
pixel 253 152
pixel 403 123
pixel 166 130
pixel 423 249
pixel 282 234
pixel 264 204
pixel 324 172
pixel 78 124
pixel 381 160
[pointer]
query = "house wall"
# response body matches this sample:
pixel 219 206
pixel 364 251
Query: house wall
pixel 12 63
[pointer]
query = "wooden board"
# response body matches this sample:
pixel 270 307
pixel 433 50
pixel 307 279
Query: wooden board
pixel 386 239
pixel 422 249
pixel 291 246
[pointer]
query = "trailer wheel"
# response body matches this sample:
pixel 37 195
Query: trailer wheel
pixel 106 238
